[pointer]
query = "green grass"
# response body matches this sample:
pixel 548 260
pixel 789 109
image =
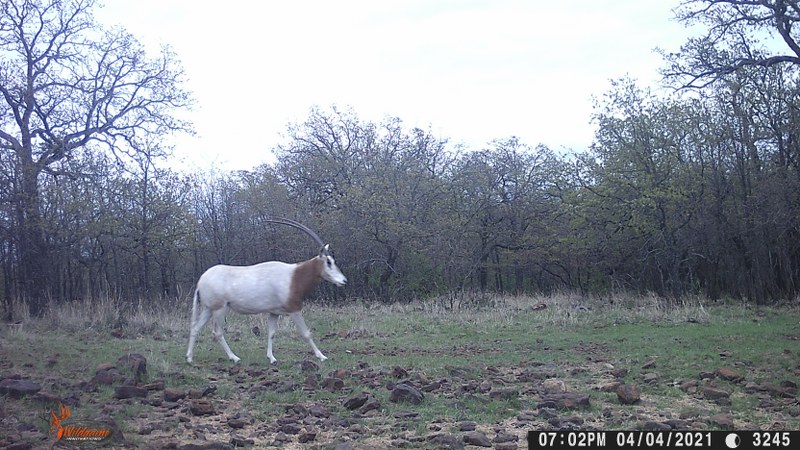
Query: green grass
pixel 495 342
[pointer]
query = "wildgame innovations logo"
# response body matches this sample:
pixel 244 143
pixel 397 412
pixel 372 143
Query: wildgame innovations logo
pixel 80 433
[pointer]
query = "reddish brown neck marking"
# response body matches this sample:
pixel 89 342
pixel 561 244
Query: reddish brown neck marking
pixel 305 278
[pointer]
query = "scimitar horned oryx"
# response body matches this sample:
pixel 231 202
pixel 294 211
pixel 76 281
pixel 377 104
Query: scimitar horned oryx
pixel 273 287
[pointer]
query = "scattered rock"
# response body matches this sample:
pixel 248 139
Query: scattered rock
pixel 619 373
pixel 311 381
pixel 18 388
pixel 689 386
pixel 477 438
pixel 400 443
pixel 628 394
pixel 332 384
pixel 650 377
pixel 137 364
pixel 506 446
pixel 399 372
pixel 291 428
pixel 238 441
pixel 564 401
pixel 434 386
pixel 194 393
pixel 610 386
pixel 318 411
pixel 446 441
pixel 677 424
pixel 654 426
pixel 173 395
pixel 157 385
pixel 714 393
pixel 307 365
pixel 340 373
pixel 280 438
pixel 356 401
pixel 406 393
pixel 722 421
pixel 554 386
pixel 729 374
pixel 106 375
pixel 237 423
pixel 704 375
pixel 104 366
pixel 649 364
pixel 506 393
pixel 405 414
pixel 123 392
pixel 306 436
pixel 467 425
pixel 201 407
pixel 505 436
pixel 371 405
pixel 566 423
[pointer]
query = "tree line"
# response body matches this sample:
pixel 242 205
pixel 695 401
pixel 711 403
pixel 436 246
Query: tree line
pixel 694 192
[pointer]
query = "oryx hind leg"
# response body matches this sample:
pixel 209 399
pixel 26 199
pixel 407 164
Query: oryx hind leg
pixel 202 319
pixel 219 332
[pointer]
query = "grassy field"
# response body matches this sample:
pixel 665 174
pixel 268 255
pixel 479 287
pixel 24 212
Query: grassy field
pixel 487 368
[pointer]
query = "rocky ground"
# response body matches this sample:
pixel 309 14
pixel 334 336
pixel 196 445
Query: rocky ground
pixel 379 407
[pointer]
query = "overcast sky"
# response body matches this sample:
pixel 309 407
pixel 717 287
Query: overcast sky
pixel 471 70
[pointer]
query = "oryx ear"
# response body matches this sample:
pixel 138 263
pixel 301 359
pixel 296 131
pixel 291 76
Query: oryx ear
pixel 324 250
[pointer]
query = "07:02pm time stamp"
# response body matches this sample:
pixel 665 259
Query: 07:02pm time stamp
pixel 677 439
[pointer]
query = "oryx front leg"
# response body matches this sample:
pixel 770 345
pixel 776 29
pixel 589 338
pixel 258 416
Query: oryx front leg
pixel 272 327
pixel 219 335
pixel 303 329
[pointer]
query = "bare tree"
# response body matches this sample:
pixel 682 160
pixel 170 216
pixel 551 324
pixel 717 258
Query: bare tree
pixel 733 39
pixel 66 86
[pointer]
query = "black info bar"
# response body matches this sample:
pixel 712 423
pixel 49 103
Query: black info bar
pixel 677 439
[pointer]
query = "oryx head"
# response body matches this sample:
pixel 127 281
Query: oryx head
pixel 330 271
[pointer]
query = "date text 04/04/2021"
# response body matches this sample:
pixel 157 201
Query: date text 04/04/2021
pixel 555 440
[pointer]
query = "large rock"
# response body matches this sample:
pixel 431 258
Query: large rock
pixel 137 364
pixel 356 401
pixel 173 395
pixel 407 394
pixel 18 388
pixel 726 373
pixel 628 394
pixel 554 386
pixel 477 438
pixel 332 384
pixel 564 401
pixel 201 407
pixel 106 374
pixel 123 392
pixel 712 393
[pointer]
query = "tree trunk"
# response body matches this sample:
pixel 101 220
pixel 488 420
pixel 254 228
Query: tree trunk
pixel 32 248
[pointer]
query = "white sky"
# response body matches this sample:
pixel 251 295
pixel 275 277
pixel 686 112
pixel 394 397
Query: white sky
pixel 471 70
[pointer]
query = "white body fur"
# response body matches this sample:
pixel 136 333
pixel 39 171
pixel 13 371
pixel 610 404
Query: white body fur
pixel 273 287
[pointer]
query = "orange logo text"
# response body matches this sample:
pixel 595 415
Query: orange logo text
pixel 74 433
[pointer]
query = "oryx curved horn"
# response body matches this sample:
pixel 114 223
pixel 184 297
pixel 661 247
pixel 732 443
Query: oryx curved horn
pixel 299 226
